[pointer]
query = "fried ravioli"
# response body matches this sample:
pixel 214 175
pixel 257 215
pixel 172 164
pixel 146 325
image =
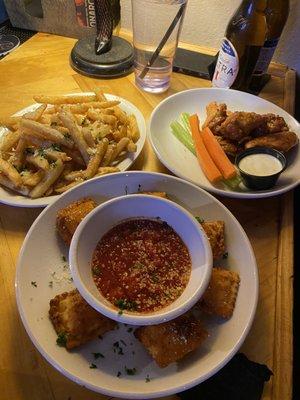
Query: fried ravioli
pixel 220 296
pixel 171 341
pixel 68 218
pixel 215 231
pixel 76 320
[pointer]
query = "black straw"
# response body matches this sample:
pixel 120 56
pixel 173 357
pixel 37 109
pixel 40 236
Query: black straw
pixel 163 41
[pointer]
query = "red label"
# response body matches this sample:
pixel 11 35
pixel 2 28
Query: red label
pixel 85 13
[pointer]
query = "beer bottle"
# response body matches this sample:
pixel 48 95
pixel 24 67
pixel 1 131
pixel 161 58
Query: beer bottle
pixel 240 49
pixel 277 12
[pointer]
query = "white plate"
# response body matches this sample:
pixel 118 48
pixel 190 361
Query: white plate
pixel 10 198
pixel 184 164
pixel 41 257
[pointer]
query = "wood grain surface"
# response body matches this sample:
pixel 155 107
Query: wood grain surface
pixel 41 65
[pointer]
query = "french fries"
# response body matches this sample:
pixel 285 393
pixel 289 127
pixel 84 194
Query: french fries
pixel 63 142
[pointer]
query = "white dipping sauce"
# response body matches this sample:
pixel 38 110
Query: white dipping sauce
pixel 260 164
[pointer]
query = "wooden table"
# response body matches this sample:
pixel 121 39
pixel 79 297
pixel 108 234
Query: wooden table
pixel 41 65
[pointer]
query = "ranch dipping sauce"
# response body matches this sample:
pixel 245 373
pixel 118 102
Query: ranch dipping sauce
pixel 260 164
pixel 141 265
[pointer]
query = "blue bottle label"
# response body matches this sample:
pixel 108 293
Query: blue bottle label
pixel 227 67
pixel 265 56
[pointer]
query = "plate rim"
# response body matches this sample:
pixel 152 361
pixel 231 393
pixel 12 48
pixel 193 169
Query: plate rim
pixel 47 200
pixel 115 392
pixel 212 189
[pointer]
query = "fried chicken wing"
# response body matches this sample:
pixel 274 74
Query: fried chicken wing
pixel 68 218
pixel 216 115
pixel 220 296
pixel 239 125
pixel 230 148
pixel 171 341
pixel 75 321
pixel 275 123
pixel 281 141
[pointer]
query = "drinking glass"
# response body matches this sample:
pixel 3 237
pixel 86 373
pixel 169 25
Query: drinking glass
pixel 156 29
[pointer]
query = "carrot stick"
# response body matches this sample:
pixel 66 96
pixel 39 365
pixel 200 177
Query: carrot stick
pixel 206 163
pixel 217 154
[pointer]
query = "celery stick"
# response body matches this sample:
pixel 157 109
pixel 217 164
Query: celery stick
pixel 185 122
pixel 233 183
pixel 183 136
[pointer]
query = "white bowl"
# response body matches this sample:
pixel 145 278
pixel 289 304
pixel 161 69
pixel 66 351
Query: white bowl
pixel 111 213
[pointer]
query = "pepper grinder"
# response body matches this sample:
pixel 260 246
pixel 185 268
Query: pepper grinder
pixel 105 56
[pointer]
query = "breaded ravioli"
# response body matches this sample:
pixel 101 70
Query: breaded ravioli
pixel 220 296
pixel 215 231
pixel 68 218
pixel 171 341
pixel 76 321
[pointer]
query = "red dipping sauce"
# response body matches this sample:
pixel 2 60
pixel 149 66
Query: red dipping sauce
pixel 141 265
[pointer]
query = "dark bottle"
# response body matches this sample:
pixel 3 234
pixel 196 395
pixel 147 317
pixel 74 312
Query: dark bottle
pixel 240 49
pixel 277 13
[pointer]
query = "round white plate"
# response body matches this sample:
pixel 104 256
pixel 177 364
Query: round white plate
pixel 13 199
pixel 41 262
pixel 178 159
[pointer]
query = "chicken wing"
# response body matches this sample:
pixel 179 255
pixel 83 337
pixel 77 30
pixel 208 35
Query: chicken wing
pixel 216 115
pixel 239 125
pixel 230 148
pixel 281 141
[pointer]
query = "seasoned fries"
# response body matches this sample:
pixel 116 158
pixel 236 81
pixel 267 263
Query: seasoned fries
pixel 63 142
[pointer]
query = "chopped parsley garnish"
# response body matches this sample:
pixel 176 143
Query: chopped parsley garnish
pixel 63 258
pixel 61 339
pixel 84 121
pixel 129 330
pixel 154 278
pixel 93 366
pixel 50 284
pixel 29 150
pixel 225 255
pixel 124 304
pixel 200 220
pixel 96 270
pixel 41 153
pixel 130 371
pixel 119 374
pixel 147 379
pixel 98 355
pixel 138 265
pixel 120 312
pixel 67 135
pixel 70 280
pixel 33 283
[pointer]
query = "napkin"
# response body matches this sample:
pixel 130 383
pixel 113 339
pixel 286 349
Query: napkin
pixel 240 379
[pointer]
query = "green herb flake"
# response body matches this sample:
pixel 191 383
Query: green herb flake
pixel 50 284
pixel 147 379
pixel 120 312
pixel 56 147
pixel 154 278
pixel 225 256
pixel 138 265
pixel 96 270
pixel 63 258
pixel 119 374
pixel 33 283
pixel 98 355
pixel 70 280
pixel 124 304
pixel 93 366
pixel 29 151
pixel 61 339
pixel 200 220
pixel 130 371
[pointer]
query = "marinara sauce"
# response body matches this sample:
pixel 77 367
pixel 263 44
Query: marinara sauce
pixel 141 265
